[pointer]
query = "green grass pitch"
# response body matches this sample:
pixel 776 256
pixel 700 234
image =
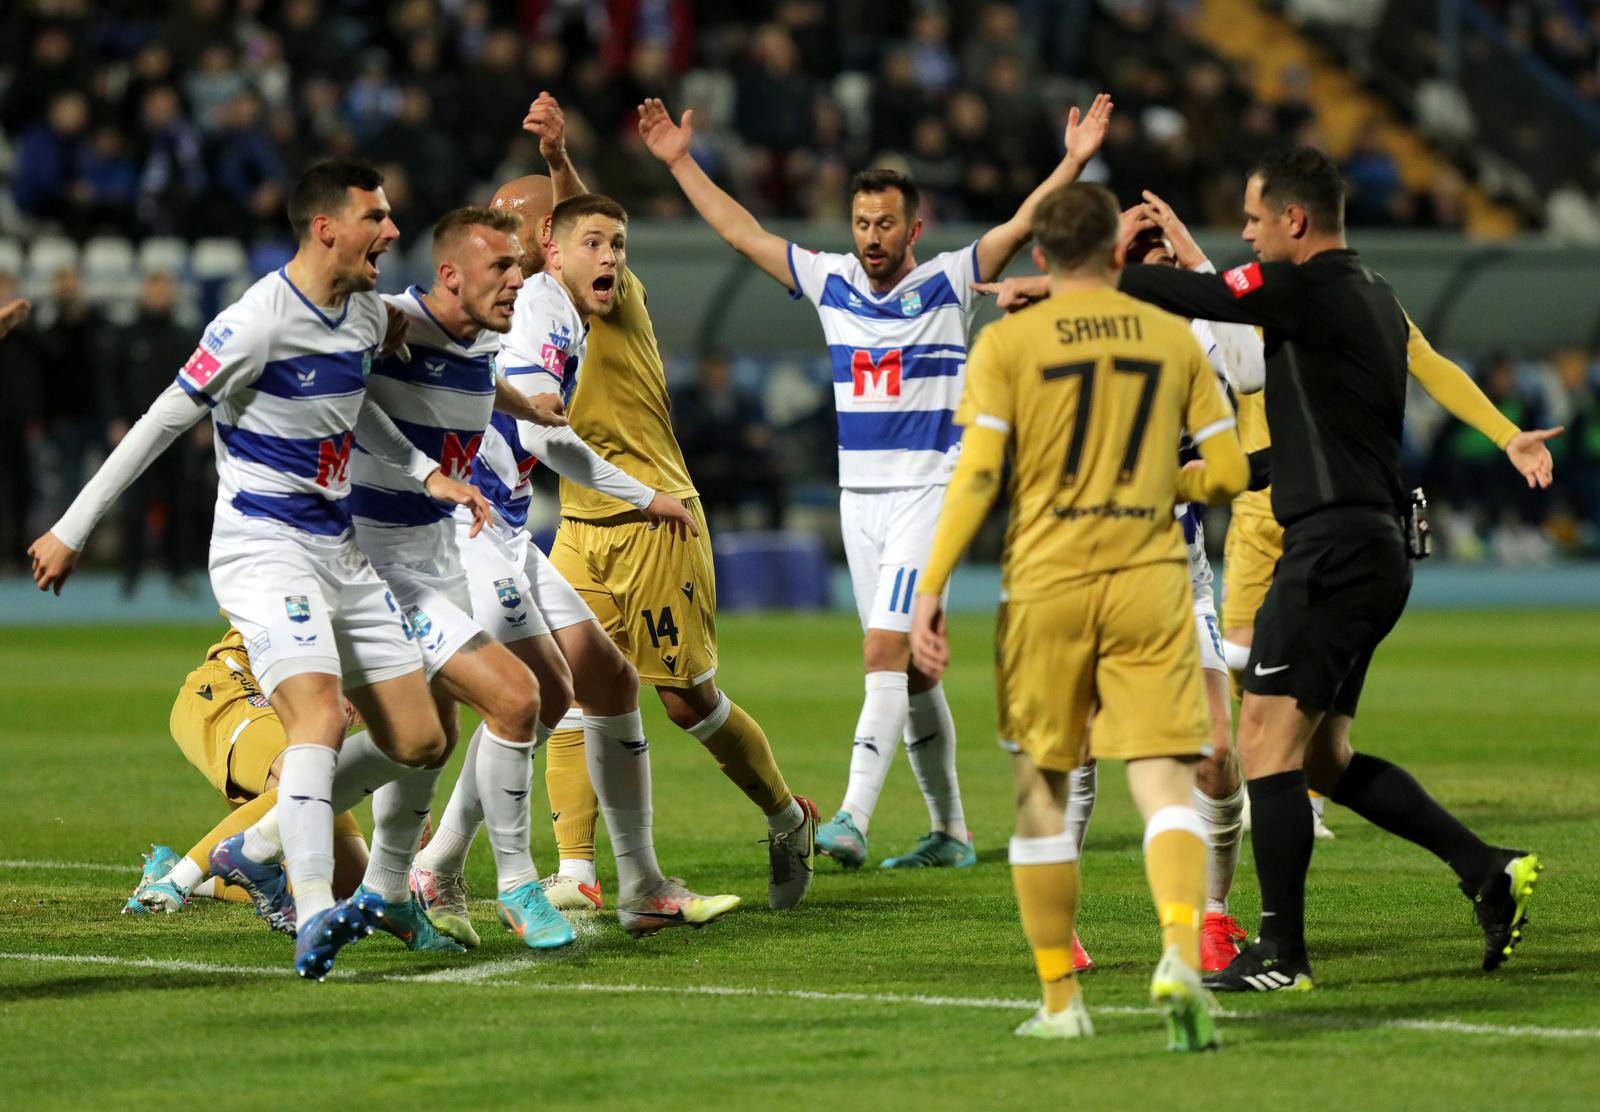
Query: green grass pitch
pixel 884 990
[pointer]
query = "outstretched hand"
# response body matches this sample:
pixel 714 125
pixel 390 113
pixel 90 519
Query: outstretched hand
pixel 1085 134
pixel 1530 456
pixel 1174 231
pixel 12 314
pixel 458 493
pixel 548 123
pixel 666 140
pixel 1012 294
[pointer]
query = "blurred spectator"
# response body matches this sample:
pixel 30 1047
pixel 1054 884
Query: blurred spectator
pixel 172 179
pixel 74 353
pixel 1578 452
pixel 49 158
pixel 19 433
pixel 728 446
pixel 1474 479
pixel 1373 178
pixel 246 165
pixel 163 508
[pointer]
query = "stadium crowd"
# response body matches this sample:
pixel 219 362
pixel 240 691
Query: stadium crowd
pixel 143 120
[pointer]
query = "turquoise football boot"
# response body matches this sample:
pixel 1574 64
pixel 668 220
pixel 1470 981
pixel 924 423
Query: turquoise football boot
pixel 839 839
pixel 936 850
pixel 410 924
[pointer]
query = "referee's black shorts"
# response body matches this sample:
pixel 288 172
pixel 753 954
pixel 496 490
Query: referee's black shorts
pixel 1338 590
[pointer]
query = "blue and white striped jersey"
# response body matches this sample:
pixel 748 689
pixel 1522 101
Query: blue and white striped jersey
pixel 441 398
pixel 899 363
pixel 540 355
pixel 285 383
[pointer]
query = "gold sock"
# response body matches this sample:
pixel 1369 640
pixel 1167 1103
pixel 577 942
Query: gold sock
pixel 573 804
pixel 1175 863
pixel 745 756
pixel 240 819
pixel 1047 897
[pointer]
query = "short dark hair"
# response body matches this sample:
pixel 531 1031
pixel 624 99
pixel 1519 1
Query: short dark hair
pixel 1077 226
pixel 453 225
pixel 1306 177
pixel 881 181
pixel 323 188
pixel 574 209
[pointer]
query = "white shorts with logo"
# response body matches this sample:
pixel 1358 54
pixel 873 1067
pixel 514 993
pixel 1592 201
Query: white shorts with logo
pixel 516 592
pixel 307 603
pixel 423 569
pixel 888 535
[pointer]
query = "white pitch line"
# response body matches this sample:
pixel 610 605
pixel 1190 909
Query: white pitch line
pixel 496 974
pixel 78 866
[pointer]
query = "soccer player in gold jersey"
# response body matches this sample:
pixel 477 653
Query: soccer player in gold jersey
pixel 1090 390
pixel 654 591
pixel 225 727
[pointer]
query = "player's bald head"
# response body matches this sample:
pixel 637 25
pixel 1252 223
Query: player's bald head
pixel 530 199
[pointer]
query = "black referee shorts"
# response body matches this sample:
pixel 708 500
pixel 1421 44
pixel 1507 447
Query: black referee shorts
pixel 1338 590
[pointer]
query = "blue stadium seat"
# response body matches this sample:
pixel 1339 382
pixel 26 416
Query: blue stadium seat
pixel 772 571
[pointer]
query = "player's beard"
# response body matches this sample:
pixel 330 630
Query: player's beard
pixel 880 271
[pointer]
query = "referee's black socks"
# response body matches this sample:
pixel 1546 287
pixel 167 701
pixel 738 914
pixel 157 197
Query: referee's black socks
pixel 1281 836
pixel 1389 797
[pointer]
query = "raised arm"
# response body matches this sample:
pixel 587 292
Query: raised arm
pixel 548 124
pixel 669 142
pixel 1000 244
pixel 1454 389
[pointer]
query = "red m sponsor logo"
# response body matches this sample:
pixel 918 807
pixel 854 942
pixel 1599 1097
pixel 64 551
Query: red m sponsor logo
pixel 525 468
pixel 333 462
pixel 455 459
pixel 876 381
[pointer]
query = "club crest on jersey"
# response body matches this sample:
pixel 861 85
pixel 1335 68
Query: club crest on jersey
pixel 366 363
pixel 257 701
pixel 911 303
pixel 298 607
pixel 875 380
pixel 510 597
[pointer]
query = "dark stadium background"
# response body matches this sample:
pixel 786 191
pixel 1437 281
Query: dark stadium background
pixel 144 141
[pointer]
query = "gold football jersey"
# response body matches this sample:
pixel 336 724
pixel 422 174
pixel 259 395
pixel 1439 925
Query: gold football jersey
pixel 1253 436
pixel 1095 388
pixel 620 407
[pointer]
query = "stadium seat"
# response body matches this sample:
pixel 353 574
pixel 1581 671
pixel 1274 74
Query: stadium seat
pixel 269 255
pixel 11 258
pixel 217 258
pixel 166 253
pixel 49 254
pixel 109 276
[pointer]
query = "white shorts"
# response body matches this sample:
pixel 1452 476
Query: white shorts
pixel 1202 581
pixel 1206 629
pixel 516 592
pixel 307 604
pixel 423 569
pixel 887 537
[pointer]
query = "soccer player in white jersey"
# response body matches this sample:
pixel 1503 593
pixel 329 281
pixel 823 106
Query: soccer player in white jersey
pixel 528 606
pixel 284 373
pixel 897 334
pixel 440 393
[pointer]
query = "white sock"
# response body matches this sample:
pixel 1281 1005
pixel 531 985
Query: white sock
pixel 1080 801
pixel 505 780
pixel 399 811
pixel 878 730
pixel 263 842
pixel 580 869
pixel 363 768
pixel 619 767
pixel 787 819
pixel 305 815
pixel 446 851
pixel 930 736
pixel 185 875
pixel 541 734
pixel 208 889
pixel 1224 833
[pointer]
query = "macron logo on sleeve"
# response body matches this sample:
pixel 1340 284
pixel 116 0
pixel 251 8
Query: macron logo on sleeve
pixel 1243 279
pixel 202 366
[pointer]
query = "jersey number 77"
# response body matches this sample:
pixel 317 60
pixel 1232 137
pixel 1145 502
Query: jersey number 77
pixel 1086 371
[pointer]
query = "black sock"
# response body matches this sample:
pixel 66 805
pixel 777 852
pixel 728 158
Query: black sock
pixel 1281 839
pixel 1389 797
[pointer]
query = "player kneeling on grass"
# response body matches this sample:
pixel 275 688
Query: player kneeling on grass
pixel 1098 601
pixel 226 728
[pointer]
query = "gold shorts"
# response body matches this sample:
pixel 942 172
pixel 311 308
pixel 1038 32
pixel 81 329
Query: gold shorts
pixel 232 738
pixel 655 595
pixel 1121 644
pixel 1249 556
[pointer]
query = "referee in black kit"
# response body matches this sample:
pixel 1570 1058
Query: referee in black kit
pixel 1335 397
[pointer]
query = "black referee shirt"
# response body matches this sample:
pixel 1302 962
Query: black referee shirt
pixel 1336 370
